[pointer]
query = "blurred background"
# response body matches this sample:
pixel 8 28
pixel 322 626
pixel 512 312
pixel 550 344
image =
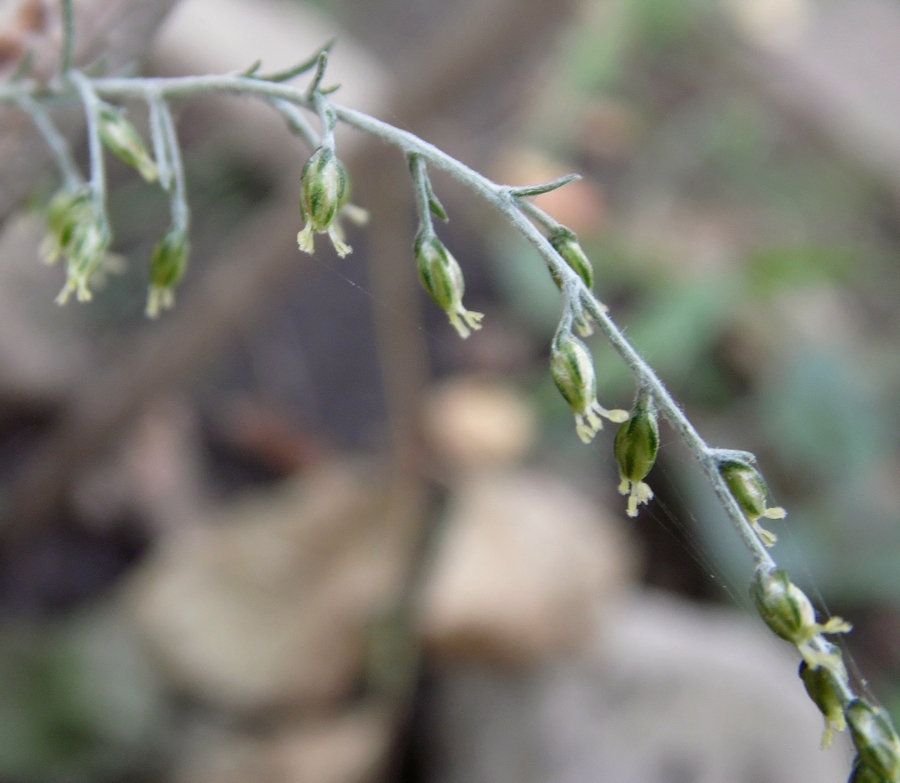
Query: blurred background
pixel 297 530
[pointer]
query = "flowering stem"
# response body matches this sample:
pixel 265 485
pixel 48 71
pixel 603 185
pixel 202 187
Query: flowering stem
pixel 95 145
pixel 297 122
pixel 68 28
pixel 158 136
pixel 420 186
pixel 178 199
pixel 525 217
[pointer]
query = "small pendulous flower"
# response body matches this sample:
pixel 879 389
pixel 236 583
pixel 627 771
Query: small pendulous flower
pixel 86 252
pixel 324 190
pixel 749 490
pixel 821 685
pixel 442 278
pixel 121 138
pixel 877 744
pixel 168 262
pixel 636 446
pixel 788 612
pixel 66 210
pixel 573 373
pixel 565 242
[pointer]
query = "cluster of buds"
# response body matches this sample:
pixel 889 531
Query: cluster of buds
pixel 749 490
pixel 121 138
pixel 442 278
pixel 324 191
pixel 167 264
pixel 75 233
pixel 876 742
pixel 572 368
pixel 636 446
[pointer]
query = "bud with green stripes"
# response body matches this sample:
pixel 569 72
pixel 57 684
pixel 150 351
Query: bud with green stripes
pixel 636 446
pixel 789 613
pixel 324 190
pixel 442 278
pixel 572 368
pixel 875 739
pixel 67 210
pixel 823 688
pixel 168 262
pixel 86 252
pixel 749 490
pixel 121 138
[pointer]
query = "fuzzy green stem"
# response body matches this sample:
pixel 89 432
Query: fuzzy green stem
pixel 95 146
pixel 68 28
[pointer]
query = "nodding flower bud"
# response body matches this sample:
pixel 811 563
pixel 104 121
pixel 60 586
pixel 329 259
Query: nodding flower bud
pixel 636 446
pixel 822 686
pixel 442 278
pixel 565 242
pixel 863 773
pixel 121 138
pixel 875 739
pixel 167 264
pixel 788 612
pixel 66 210
pixel 749 490
pixel 572 368
pixel 324 189
pixel 85 253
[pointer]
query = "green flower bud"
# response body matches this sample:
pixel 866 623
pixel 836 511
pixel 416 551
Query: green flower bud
pixel 324 190
pixel 565 242
pixel 66 210
pixel 875 738
pixel 167 264
pixel 121 138
pixel 788 612
pixel 863 773
pixel 636 446
pixel 442 278
pixel 572 368
pixel 750 491
pixel 86 252
pixel 822 686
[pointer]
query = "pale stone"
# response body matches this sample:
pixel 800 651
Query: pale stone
pixel 349 748
pixel 667 692
pixel 269 605
pixel 475 421
pixel 522 563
